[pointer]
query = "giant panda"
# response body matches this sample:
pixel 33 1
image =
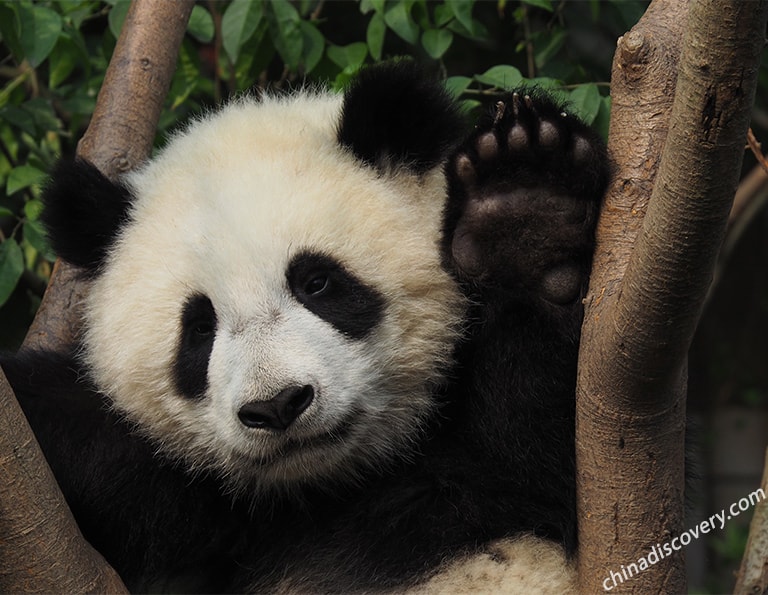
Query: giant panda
pixel 329 345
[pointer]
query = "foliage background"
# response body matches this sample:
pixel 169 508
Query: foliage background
pixel 53 55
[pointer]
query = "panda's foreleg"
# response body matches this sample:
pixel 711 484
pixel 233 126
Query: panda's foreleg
pixel 524 194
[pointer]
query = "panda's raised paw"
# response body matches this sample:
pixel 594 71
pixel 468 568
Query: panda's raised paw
pixel 524 194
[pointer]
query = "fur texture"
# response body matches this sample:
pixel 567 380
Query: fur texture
pixel 228 225
pixel 334 339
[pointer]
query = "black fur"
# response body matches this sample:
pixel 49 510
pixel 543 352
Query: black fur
pixel 496 460
pixel 198 327
pixel 382 132
pixel 83 212
pixel 332 293
pixel 151 521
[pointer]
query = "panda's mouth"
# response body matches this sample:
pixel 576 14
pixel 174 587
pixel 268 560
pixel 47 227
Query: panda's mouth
pixel 311 446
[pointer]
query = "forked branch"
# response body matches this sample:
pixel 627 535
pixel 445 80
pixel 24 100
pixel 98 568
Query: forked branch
pixel 651 275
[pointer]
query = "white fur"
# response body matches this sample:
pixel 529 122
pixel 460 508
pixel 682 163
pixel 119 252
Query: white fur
pixel 221 211
pixel 518 566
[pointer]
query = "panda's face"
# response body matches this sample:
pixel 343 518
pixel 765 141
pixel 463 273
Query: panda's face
pixel 277 312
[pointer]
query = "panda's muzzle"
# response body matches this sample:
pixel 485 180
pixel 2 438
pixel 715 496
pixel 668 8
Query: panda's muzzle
pixel 278 412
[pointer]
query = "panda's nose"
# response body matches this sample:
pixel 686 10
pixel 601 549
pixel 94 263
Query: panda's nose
pixel 280 411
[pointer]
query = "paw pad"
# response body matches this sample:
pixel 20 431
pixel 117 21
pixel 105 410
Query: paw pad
pixel 524 192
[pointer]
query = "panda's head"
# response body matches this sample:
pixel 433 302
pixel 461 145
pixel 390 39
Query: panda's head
pixel 267 298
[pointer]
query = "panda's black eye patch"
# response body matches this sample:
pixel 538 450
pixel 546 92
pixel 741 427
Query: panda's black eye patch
pixel 198 328
pixel 328 290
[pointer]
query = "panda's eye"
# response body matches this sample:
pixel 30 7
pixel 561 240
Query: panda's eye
pixel 317 284
pixel 198 322
pixel 203 329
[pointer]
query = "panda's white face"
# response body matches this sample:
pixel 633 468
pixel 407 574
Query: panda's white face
pixel 275 310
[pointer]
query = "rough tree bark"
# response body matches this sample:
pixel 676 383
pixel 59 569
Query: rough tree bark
pixel 753 574
pixel 41 548
pixel 651 274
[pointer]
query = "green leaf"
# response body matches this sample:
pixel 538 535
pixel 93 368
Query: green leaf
pixel 82 103
pixel 602 121
pixel 553 45
pixel 478 33
pixel 186 77
pixel 19 117
pixel 585 100
pixel 374 35
pixel 200 25
pixel 63 60
pixel 443 15
pixel 6 212
pixel 456 85
pixel 342 80
pixel 470 106
pixel 40 30
pixel 238 24
pixel 35 236
pixel 398 18
pixel 462 10
pixel 41 109
pixel 9 29
pixel 314 45
pixel 545 4
pixel 367 5
pixel 286 32
pixel 352 55
pixel 255 57
pixel 32 209
pixel 11 268
pixel 116 16
pixel 502 76
pixel 22 177
pixel 420 14
pixel 436 41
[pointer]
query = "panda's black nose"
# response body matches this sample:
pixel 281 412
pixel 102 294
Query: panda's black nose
pixel 280 411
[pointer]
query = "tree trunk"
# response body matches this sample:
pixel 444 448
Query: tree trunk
pixel 650 278
pixel 753 574
pixel 41 548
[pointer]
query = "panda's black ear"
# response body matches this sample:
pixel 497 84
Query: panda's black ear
pixel 83 211
pixel 396 114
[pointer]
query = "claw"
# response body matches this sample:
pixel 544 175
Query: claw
pixel 515 104
pixel 500 109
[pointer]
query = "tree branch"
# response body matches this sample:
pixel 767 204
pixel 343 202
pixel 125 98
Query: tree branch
pixel 753 574
pixel 41 547
pixel 639 324
pixel 119 136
